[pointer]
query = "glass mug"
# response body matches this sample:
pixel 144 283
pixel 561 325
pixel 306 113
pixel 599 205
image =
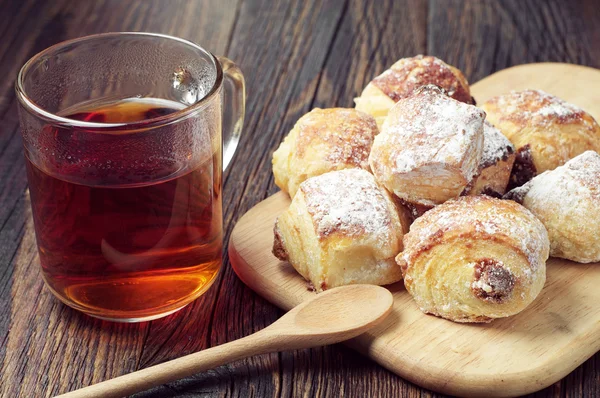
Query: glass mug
pixel 122 134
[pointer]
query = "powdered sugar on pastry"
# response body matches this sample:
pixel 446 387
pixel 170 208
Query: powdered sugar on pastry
pixel 430 147
pixel 438 129
pixel 496 147
pixel 537 106
pixel 566 200
pixel 545 130
pixel 578 180
pixel 430 128
pixel 323 140
pixel 342 228
pixel 585 168
pixel 348 202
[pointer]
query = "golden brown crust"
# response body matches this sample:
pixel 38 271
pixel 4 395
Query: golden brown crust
pixel 553 130
pixel 474 259
pixel 348 132
pixel 480 216
pixel 408 74
pixel 323 140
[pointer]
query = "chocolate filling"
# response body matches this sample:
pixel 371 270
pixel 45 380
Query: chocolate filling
pixel 278 248
pixel 490 192
pixel 523 170
pixel 491 281
pixel 416 210
pixel 518 194
pixel 508 150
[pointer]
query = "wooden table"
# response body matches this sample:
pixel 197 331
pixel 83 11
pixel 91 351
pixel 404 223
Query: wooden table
pixel 296 55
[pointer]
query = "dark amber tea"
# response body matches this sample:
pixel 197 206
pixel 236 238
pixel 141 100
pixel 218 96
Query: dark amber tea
pixel 131 237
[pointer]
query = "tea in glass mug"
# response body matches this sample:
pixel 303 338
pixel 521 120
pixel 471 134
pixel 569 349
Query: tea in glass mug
pixel 122 136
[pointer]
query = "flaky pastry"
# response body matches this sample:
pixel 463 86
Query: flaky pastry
pixel 474 259
pixel 342 228
pixel 567 201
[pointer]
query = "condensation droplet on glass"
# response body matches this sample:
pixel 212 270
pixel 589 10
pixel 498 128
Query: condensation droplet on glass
pixel 186 88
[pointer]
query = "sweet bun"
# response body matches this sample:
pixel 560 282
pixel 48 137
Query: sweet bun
pixel 496 164
pixel 474 259
pixel 404 77
pixel 430 147
pixel 567 200
pixel 342 228
pixel 323 140
pixel 545 130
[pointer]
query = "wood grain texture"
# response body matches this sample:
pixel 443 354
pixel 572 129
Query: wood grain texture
pixel 296 55
pixel 354 310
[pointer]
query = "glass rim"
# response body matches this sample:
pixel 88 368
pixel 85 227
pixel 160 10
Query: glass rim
pixel 146 124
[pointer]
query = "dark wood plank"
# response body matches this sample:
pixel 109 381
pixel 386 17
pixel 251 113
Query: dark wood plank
pixel 481 37
pixel 46 347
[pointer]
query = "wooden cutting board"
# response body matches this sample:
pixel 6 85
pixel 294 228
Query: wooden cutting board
pixel 507 357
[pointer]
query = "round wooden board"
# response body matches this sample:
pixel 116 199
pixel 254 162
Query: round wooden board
pixel 507 357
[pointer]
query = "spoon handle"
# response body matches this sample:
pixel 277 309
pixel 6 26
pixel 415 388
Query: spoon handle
pixel 254 344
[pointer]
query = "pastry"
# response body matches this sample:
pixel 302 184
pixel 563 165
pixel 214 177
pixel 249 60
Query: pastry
pixel 342 228
pixel 430 147
pixel 495 165
pixel 474 259
pixel 545 130
pixel 567 200
pixel 404 77
pixel 323 140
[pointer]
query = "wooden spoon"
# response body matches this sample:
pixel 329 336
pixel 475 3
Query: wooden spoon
pixel 336 315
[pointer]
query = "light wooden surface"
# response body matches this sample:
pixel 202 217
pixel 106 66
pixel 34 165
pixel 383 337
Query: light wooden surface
pixel 507 357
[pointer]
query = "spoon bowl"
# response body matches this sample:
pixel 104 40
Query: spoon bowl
pixel 348 310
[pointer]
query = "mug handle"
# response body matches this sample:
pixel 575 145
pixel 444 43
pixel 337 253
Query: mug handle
pixel 234 107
